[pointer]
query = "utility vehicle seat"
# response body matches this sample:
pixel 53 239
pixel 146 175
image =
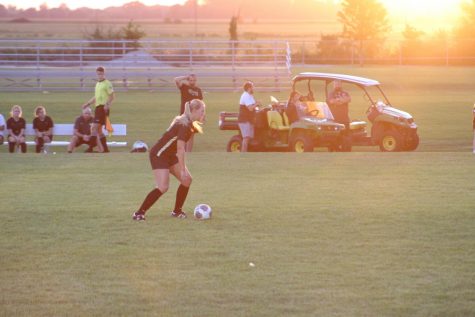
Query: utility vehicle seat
pixel 276 121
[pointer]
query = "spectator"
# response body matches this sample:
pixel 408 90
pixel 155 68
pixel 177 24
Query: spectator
pixel 2 128
pixel 188 91
pixel 16 126
pixel 43 126
pixel 82 130
pixel 338 100
pixel 247 111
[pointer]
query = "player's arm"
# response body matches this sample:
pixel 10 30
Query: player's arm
pixel 331 100
pixel 109 101
pixel 346 98
pixel 179 81
pixel 90 102
pixel 180 153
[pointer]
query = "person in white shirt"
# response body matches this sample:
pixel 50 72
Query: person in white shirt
pixel 2 129
pixel 247 112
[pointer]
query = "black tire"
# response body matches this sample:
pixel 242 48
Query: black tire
pixel 391 141
pixel 412 142
pixel 234 144
pixel 301 143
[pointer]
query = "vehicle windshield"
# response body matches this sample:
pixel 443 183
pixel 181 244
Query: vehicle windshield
pixel 376 94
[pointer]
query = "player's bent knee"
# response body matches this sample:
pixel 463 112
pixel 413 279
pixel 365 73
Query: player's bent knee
pixel 163 189
pixel 187 182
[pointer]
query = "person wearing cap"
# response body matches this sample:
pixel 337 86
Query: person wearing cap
pixel 246 118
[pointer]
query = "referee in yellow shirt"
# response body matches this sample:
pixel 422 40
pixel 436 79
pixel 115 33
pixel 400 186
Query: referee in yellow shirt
pixel 103 98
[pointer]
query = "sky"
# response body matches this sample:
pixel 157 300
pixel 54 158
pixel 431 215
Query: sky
pixel 425 11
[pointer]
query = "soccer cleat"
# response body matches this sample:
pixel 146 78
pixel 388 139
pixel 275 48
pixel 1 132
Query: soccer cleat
pixel 138 216
pixel 178 214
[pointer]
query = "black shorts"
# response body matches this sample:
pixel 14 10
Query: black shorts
pixel 50 137
pixel 100 115
pixel 81 141
pixel 163 161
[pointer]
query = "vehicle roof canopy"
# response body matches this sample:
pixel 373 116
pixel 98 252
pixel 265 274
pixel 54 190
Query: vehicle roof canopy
pixel 331 77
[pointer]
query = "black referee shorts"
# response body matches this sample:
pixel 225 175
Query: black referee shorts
pixel 100 115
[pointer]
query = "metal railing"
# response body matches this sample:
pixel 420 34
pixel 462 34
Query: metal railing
pixel 152 65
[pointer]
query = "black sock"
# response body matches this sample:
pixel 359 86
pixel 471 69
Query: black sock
pixel 92 142
pixel 151 198
pixel 104 144
pixel 23 147
pixel 39 144
pixel 181 194
pixel 11 147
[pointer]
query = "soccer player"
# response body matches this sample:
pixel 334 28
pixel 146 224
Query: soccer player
pixel 82 130
pixel 16 126
pixel 2 128
pixel 43 126
pixel 188 91
pixel 103 98
pixel 167 157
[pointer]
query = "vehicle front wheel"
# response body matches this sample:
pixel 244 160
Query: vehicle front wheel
pixel 391 141
pixel 301 143
pixel 234 144
pixel 412 142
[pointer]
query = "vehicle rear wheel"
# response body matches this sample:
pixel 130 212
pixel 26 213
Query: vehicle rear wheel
pixel 301 143
pixel 234 144
pixel 412 143
pixel 391 141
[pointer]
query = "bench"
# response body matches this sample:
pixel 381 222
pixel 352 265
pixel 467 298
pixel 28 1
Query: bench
pixel 67 129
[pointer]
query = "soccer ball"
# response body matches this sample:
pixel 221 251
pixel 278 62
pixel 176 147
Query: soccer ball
pixel 139 146
pixel 202 212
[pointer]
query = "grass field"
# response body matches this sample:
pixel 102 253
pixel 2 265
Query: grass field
pixel 331 234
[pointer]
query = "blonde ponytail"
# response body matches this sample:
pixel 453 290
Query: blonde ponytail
pixel 185 118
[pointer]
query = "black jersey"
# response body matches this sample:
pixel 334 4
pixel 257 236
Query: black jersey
pixel 43 126
pixel 83 125
pixel 189 93
pixel 167 144
pixel 16 126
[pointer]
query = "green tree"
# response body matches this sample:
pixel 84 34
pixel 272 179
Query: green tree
pixel 366 23
pixel 233 34
pixel 132 32
pixel 411 45
pixel 464 32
